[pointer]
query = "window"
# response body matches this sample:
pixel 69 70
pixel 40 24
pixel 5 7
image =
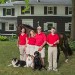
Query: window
pixel 8 11
pixel 50 10
pixel 26 12
pixel 11 26
pixel 48 25
pixel 28 22
pixel 70 27
pixel 70 10
pixel 67 26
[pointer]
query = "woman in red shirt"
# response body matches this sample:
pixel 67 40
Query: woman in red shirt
pixel 21 43
pixel 31 44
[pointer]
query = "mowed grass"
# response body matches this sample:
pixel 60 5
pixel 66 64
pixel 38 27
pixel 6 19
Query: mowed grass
pixel 8 50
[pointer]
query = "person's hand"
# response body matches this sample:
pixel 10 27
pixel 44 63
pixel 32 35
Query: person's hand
pixel 25 48
pixel 40 49
pixel 50 45
pixel 56 42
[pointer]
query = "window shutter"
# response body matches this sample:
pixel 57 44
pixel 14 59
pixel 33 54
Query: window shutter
pixel 66 10
pixel 6 27
pixel 55 10
pixel 13 12
pixel 55 25
pixel 66 27
pixel 45 27
pixel 4 11
pixel 0 26
pixel 32 9
pixel 45 10
pixel 22 8
pixel 3 26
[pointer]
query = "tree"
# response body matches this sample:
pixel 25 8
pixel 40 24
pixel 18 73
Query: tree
pixel 2 1
pixel 73 20
pixel 27 6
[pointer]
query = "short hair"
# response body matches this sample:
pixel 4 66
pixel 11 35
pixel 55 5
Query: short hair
pixel 39 27
pixel 53 28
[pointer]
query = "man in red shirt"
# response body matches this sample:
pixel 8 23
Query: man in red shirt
pixel 52 41
pixel 40 42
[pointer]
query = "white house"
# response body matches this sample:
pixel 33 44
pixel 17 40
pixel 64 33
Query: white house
pixel 46 13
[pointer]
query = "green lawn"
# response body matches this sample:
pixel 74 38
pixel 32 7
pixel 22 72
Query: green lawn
pixel 8 50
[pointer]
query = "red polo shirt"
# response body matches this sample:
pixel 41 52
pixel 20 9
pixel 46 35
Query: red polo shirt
pixel 51 39
pixel 40 39
pixel 31 40
pixel 22 39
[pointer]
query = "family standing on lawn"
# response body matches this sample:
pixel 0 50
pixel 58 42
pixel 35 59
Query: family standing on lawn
pixel 35 42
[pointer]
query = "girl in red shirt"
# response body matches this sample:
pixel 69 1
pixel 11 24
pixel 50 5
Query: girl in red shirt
pixel 31 44
pixel 21 43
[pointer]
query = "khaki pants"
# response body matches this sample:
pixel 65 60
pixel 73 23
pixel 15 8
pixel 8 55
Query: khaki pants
pixel 52 57
pixel 22 52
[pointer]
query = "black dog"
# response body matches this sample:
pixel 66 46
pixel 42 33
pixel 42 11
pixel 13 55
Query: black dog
pixel 18 63
pixel 37 61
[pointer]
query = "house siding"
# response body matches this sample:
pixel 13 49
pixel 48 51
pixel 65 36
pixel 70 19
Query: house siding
pixel 43 19
pixel 39 13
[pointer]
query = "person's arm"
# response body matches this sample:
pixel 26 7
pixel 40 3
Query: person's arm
pixel 44 37
pixel 48 41
pixel 57 42
pixel 50 44
pixel 42 46
pixel 26 41
pixel 43 43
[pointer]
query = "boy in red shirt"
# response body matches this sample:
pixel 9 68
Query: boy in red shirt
pixel 40 42
pixel 52 41
pixel 21 43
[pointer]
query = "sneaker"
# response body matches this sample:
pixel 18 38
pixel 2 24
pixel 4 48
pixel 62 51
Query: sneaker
pixel 66 60
pixel 49 69
pixel 56 70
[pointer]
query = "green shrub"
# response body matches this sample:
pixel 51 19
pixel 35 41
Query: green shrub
pixel 12 38
pixel 15 36
pixel 3 38
pixel 72 45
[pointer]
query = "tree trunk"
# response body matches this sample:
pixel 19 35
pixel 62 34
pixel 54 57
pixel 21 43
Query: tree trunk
pixel 73 21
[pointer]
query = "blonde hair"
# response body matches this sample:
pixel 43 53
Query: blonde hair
pixel 33 33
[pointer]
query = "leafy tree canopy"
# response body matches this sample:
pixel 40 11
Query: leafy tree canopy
pixel 27 6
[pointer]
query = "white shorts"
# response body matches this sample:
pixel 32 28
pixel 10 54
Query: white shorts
pixel 42 52
pixel 30 49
